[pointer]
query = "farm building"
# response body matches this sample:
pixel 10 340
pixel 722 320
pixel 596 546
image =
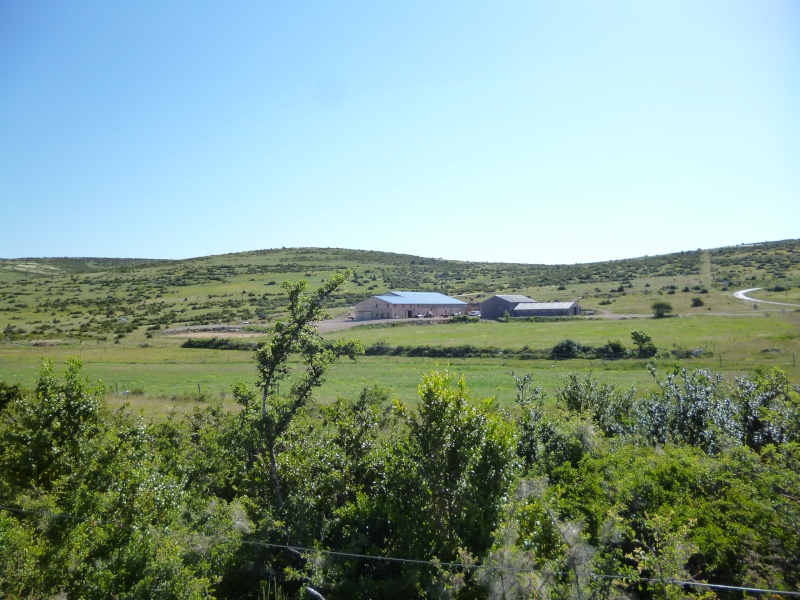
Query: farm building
pixel 407 305
pixel 492 308
pixel 522 306
pixel 547 309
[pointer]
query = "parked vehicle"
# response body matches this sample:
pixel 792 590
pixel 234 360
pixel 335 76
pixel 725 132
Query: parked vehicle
pixel 474 313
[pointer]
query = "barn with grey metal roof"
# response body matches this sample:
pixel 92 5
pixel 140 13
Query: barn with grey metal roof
pixel 494 307
pixel 522 306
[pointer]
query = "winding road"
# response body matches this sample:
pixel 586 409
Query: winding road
pixel 742 295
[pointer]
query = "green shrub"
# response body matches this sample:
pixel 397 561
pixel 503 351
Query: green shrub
pixel 661 308
pixel 569 349
pixel 464 319
pixel 219 344
pixel 613 350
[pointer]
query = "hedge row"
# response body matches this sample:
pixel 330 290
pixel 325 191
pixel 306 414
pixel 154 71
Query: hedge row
pixel 564 350
pixel 216 343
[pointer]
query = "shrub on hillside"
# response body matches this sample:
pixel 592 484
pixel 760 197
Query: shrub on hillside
pixel 661 308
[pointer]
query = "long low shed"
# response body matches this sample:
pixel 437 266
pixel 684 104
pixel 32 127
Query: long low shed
pixel 546 309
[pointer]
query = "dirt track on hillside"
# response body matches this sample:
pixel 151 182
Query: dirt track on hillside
pixel 742 295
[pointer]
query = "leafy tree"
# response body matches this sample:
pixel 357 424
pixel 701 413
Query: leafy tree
pixel 661 309
pixel 539 555
pixel 297 334
pixel 333 477
pixel 579 395
pixel 44 435
pixel 91 513
pixel 688 408
pixel 768 407
pixel 697 302
pixel 9 393
pixel 644 343
pixel 206 450
pixel 551 443
pixel 531 402
pixel 446 479
pixel 607 407
pixel 283 486
pixel 665 558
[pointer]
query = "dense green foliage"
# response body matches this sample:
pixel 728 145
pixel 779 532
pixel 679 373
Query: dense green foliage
pixel 610 494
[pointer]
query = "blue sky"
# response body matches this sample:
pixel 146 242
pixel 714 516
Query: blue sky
pixel 538 132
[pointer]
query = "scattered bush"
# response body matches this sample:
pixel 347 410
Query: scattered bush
pixel 661 309
pixel 613 350
pixel 464 319
pixel 570 349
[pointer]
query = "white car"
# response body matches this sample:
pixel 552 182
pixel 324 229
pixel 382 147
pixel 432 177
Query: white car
pixel 474 313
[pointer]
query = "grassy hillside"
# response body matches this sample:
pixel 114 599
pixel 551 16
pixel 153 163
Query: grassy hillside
pixel 113 313
pixel 85 298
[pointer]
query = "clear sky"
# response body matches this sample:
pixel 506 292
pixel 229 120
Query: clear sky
pixel 537 132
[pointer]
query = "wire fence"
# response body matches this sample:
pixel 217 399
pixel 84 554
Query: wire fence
pixel 430 563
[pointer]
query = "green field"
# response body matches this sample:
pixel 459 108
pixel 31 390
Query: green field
pixel 164 375
pixel 112 314
pixel 736 339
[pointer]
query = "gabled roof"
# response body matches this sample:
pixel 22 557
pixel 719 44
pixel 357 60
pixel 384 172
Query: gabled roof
pixel 395 297
pixel 543 305
pixel 514 298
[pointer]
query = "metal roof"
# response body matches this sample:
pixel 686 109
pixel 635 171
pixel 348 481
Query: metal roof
pixel 514 298
pixel 543 305
pixel 395 297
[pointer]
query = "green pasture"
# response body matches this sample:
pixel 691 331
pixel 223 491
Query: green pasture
pixel 167 385
pixel 165 377
pixel 60 308
pixel 742 340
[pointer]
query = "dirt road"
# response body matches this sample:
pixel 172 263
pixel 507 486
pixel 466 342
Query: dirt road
pixel 742 295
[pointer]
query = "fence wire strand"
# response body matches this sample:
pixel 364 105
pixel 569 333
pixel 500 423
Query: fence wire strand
pixel 431 563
